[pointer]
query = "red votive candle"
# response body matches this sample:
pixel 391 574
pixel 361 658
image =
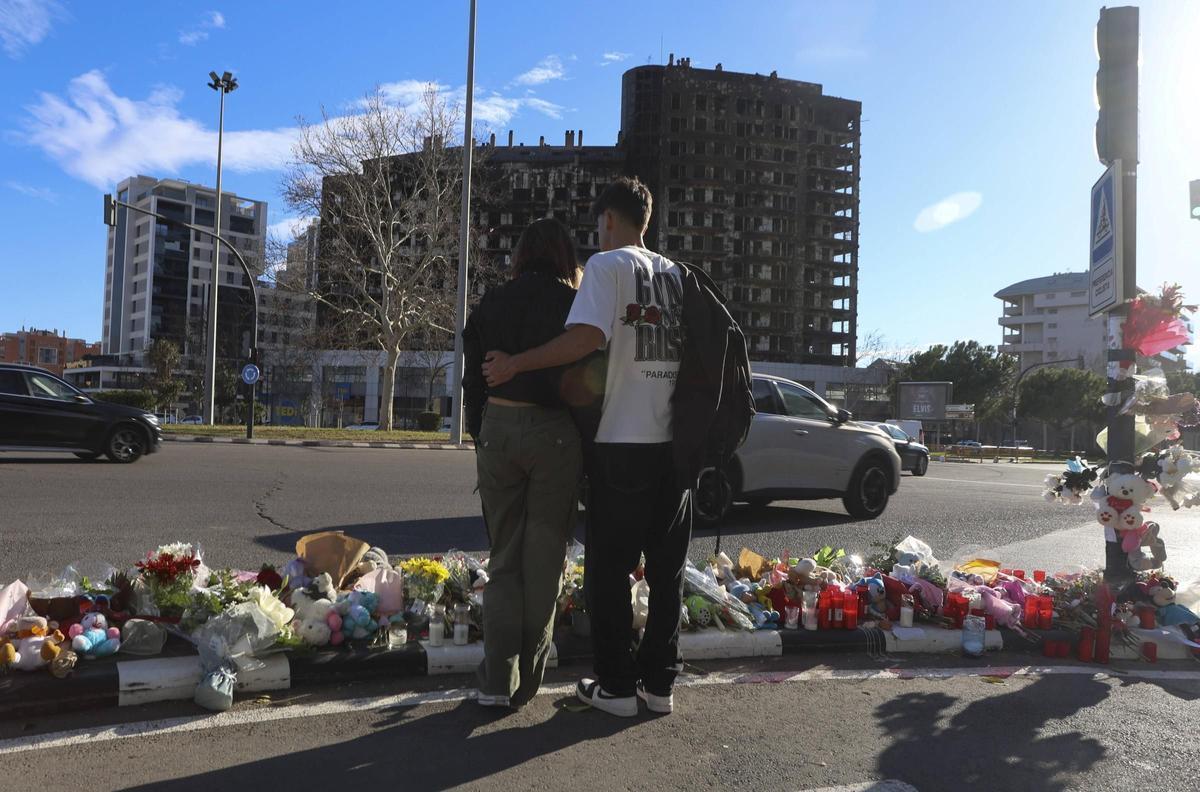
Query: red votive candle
pixel 1150 651
pixel 1049 648
pixel 1039 575
pixel 1019 574
pixel 1146 618
pixel 1087 647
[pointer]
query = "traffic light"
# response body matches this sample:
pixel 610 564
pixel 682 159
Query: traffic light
pixel 1195 188
pixel 1117 84
pixel 110 211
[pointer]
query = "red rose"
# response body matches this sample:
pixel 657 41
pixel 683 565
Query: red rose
pixel 267 576
pixel 633 312
pixel 653 315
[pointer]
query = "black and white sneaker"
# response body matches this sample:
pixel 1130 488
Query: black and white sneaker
pixel 655 703
pixel 489 700
pixel 590 692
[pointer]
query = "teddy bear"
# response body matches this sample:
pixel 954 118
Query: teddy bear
pixel 316 622
pixel 92 637
pixel 1119 501
pixel 1174 466
pixel 38 651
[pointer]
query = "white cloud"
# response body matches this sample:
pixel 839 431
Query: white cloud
pixel 609 58
pixel 101 137
pixel 40 193
pixel 550 68
pixel 24 23
pixel 214 20
pixel 948 210
pixel 289 228
pixel 491 108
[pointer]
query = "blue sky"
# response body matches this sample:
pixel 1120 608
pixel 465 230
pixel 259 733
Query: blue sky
pixel 987 101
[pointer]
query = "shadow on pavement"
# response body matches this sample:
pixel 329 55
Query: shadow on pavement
pixel 7 458
pixel 411 750
pixel 401 536
pixel 974 751
pixel 749 520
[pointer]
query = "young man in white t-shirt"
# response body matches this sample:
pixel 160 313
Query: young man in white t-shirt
pixel 631 303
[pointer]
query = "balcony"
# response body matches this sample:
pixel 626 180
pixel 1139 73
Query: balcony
pixel 1015 348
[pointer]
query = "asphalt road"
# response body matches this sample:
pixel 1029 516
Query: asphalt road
pixel 248 504
pixel 780 724
pixel 832 723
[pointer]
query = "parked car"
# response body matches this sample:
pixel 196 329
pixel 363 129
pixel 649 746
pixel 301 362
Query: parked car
pixel 39 411
pixel 192 419
pixel 969 444
pixel 913 455
pixel 801 447
pixel 365 426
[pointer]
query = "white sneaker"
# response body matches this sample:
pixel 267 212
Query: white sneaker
pixel 487 700
pixel 590 692
pixel 661 704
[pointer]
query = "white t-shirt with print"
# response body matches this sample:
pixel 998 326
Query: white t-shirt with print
pixel 635 297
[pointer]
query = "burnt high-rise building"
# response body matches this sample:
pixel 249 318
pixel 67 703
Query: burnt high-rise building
pixel 755 178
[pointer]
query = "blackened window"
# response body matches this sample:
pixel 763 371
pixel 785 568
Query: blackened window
pixel 674 242
pixel 675 102
pixel 701 124
pixel 701 102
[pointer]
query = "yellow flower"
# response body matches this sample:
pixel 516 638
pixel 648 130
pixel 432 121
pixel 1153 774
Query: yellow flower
pixel 426 569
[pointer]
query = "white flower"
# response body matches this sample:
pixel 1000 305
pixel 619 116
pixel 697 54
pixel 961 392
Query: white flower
pixel 175 550
pixel 272 606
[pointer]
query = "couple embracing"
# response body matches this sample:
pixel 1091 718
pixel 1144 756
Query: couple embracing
pixel 675 400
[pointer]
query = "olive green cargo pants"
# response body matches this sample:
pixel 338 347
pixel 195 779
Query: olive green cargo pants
pixel 529 464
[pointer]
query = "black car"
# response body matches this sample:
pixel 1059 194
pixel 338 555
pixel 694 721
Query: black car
pixel 913 455
pixel 38 411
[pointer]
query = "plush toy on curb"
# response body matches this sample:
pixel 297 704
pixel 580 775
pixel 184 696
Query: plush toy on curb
pixel 764 619
pixel 33 644
pixel 355 609
pixel 315 621
pixel 92 637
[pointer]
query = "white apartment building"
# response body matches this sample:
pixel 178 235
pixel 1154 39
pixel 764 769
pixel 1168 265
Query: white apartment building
pixel 157 275
pixel 1046 319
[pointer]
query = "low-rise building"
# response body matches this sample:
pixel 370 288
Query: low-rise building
pixel 48 349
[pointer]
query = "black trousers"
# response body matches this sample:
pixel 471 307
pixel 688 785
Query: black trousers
pixel 635 507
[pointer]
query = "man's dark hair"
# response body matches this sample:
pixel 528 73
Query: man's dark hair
pixel 629 198
pixel 546 247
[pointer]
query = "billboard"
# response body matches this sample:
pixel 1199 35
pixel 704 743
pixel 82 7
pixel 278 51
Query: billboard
pixel 924 401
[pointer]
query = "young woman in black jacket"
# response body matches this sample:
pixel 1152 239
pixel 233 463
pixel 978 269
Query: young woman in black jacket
pixel 529 459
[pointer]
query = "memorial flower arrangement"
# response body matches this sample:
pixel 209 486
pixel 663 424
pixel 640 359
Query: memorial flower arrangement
pixel 424 578
pixel 168 573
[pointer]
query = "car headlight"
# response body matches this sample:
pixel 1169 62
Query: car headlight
pixel 150 418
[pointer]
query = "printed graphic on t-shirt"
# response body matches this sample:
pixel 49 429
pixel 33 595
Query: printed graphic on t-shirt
pixel 655 317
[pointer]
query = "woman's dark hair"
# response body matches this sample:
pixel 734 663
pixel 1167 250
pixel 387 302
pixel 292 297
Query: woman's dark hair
pixel 546 247
pixel 629 198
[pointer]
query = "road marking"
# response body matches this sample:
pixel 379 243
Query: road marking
pixel 890 785
pixel 360 705
pixel 984 483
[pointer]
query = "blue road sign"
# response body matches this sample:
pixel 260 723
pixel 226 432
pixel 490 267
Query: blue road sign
pixel 341 391
pixel 1107 281
pixel 250 373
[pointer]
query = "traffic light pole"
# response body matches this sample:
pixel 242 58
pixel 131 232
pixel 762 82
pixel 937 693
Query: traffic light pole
pixel 1117 147
pixel 110 205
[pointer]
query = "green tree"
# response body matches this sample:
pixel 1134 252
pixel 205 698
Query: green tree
pixel 977 371
pixel 1062 397
pixel 165 383
pixel 1184 382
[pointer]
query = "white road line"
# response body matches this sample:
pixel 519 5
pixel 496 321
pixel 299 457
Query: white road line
pixel 891 785
pixel 362 705
pixel 983 483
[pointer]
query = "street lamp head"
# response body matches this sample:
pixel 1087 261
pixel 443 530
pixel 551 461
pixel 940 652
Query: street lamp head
pixel 226 83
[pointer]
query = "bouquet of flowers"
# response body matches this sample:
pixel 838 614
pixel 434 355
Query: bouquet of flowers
pixel 221 591
pixel 168 574
pixel 424 579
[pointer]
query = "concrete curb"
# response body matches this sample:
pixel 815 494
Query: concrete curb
pixel 129 682
pixel 259 441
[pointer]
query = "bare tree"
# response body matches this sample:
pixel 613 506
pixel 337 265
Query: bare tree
pixel 387 189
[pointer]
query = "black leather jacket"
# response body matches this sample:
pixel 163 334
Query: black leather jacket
pixel 520 314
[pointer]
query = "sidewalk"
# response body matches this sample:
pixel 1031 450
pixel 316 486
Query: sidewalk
pixel 446 446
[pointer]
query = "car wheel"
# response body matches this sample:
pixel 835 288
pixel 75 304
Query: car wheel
pixel 87 455
pixel 758 503
pixel 125 444
pixel 714 497
pixel 869 490
pixel 921 467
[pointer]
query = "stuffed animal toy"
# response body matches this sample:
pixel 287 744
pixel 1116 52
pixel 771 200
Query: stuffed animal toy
pixel 763 618
pixel 1144 548
pixel 8 653
pixel 38 651
pixel 373 559
pixel 699 613
pixel 355 609
pixel 92 637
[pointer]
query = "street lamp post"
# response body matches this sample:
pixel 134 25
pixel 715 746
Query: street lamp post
pixel 464 238
pixel 224 84
pixel 1017 390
